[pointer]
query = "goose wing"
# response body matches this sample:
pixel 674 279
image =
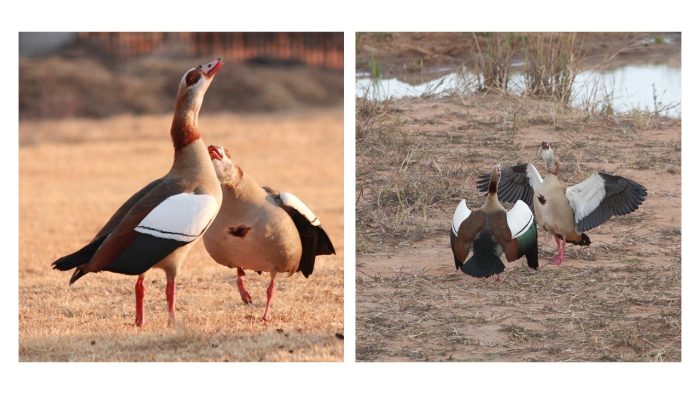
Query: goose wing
pixel 602 196
pixel 523 228
pixel 164 219
pixel 517 183
pixel 465 226
pixel 314 240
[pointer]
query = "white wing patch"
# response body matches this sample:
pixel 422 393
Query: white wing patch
pixel 461 214
pixel 533 176
pixel 292 201
pixel 182 217
pixel 584 197
pixel 519 218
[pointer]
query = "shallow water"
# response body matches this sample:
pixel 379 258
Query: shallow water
pixel 626 88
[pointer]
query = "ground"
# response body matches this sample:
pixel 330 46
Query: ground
pixel 618 299
pixel 74 173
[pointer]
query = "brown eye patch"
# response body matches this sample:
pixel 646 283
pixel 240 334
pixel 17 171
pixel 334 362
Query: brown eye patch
pixel 192 77
pixel 228 153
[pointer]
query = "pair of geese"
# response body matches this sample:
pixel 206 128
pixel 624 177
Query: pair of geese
pixel 566 212
pixel 244 225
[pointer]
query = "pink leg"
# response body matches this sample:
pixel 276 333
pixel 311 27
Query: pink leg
pixel 140 292
pixel 270 293
pixel 245 295
pixel 559 257
pixel 170 296
pixel 563 249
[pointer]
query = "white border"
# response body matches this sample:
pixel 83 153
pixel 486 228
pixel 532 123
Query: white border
pixel 506 15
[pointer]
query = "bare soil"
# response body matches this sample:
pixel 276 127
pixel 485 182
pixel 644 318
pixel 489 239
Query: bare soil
pixel 413 52
pixel 617 300
pixel 74 173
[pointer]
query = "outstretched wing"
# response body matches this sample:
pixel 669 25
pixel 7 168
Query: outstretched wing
pixel 464 228
pixel 522 226
pixel 461 212
pixel 602 196
pixel 517 183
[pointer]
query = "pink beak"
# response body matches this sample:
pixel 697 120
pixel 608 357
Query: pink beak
pixel 212 68
pixel 214 153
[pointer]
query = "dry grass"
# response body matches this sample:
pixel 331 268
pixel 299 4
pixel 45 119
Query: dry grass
pixel 618 299
pixel 552 61
pixel 74 173
pixel 389 161
pixel 396 53
pixel 493 64
pixel 597 313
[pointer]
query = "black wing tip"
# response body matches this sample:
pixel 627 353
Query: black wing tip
pixel 532 256
pixel 66 263
pixel 585 240
pixel 79 257
pixel 321 245
pixel 77 274
pixel 325 245
pixel 453 237
pixel 306 272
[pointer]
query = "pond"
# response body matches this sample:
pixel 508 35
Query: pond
pixel 630 87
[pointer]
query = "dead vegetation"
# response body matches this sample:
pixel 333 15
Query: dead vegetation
pixel 75 173
pixel 396 53
pixel 597 313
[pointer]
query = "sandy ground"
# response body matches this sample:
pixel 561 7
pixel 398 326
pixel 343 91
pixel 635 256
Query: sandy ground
pixel 75 173
pixel 618 299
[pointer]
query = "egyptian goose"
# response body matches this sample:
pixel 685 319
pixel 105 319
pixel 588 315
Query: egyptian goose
pixel 564 211
pixel 491 231
pixel 158 225
pixel 261 229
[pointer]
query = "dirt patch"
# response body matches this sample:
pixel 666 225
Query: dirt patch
pixel 411 52
pixel 618 299
pixel 75 173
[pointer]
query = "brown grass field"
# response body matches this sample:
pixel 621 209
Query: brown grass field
pixel 617 300
pixel 75 173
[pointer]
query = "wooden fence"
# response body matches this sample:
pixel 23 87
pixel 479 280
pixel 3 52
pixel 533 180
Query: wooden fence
pixel 317 49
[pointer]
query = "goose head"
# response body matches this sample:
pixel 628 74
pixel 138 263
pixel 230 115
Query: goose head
pixel 549 157
pixel 226 170
pixel 195 82
pixel 495 178
pixel 190 93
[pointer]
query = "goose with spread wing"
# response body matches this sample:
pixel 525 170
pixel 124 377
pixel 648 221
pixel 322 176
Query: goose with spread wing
pixel 492 231
pixel 564 211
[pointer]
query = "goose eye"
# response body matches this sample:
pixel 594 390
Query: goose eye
pixel 192 77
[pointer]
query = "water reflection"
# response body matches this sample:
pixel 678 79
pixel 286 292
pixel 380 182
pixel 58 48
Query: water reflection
pixel 646 87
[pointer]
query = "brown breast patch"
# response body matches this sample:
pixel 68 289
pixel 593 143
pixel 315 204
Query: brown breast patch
pixel 239 231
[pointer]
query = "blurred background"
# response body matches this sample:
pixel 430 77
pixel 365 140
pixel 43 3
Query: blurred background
pixel 64 74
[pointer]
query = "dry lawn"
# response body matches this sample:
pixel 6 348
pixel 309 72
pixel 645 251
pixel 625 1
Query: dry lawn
pixel 617 300
pixel 75 173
